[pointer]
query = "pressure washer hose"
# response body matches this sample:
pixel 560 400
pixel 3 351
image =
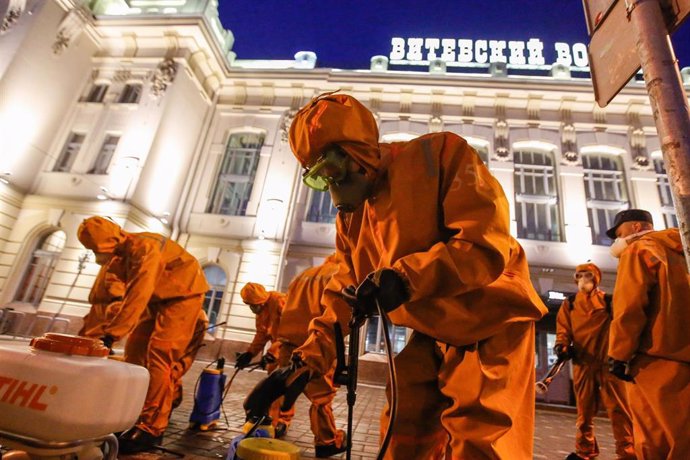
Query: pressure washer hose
pixel 393 377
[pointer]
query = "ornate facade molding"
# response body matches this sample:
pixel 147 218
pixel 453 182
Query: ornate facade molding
pixel 70 27
pixel 569 152
pixel 638 140
pixel 285 123
pixel 10 20
pixel 163 76
pixel 502 151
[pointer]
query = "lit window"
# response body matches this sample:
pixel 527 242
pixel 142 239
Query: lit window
pixel 550 354
pixel 483 153
pixel 374 341
pixel 481 146
pixel 105 155
pixel 536 196
pixel 235 180
pixel 398 137
pixel 69 152
pixel 665 196
pixel 321 208
pixel 605 191
pixel 97 93
pixel 216 278
pixel 38 273
pixel 131 94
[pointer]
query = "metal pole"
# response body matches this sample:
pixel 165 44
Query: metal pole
pixel 82 264
pixel 669 103
pixel 352 364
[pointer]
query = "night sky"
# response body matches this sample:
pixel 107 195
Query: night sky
pixel 347 33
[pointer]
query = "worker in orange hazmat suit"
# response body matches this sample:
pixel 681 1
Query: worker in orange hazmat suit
pixel 268 308
pixel 649 344
pixel 106 299
pixel 160 309
pixel 303 304
pixel 423 229
pixel 582 325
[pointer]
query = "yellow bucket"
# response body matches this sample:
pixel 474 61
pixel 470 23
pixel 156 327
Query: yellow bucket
pixel 267 449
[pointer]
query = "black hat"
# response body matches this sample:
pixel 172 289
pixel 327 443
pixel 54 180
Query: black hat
pixel 629 215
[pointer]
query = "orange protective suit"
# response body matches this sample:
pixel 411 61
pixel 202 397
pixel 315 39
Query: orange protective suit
pixel 649 330
pixel 105 298
pixel 441 220
pixel 160 308
pixel 302 305
pixel 267 322
pixel 136 350
pixel 584 323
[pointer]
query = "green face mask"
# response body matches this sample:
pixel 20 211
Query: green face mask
pixel 332 167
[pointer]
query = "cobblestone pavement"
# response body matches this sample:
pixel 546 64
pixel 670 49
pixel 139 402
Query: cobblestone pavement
pixel 554 432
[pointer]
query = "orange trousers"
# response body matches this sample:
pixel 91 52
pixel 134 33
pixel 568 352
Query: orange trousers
pixel 159 342
pixel 660 404
pixel 594 385
pixel 181 367
pixel 320 391
pixel 465 402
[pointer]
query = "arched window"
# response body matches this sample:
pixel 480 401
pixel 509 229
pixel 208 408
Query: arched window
pixel 481 146
pixel 665 196
pixel 233 186
pixel 38 273
pixel 321 207
pixel 374 340
pixel 214 296
pixel 536 196
pixel 605 190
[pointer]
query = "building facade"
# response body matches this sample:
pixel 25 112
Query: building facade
pixel 139 110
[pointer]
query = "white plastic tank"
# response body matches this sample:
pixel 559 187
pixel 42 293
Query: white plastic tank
pixel 64 388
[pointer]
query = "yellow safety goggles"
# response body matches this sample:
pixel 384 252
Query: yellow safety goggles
pixel 330 168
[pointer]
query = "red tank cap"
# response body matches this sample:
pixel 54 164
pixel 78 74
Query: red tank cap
pixel 70 345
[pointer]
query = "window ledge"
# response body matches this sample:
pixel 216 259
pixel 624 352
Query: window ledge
pixel 124 106
pixel 373 357
pixel 21 307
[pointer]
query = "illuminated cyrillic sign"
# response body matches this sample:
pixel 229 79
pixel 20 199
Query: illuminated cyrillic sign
pixel 480 53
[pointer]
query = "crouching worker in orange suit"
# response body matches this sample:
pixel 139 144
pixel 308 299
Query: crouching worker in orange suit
pixel 106 300
pixel 582 325
pixel 164 287
pixel 302 305
pixel 423 229
pixel 268 308
pixel 649 343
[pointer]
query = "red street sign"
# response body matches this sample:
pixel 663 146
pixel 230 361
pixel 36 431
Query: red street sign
pixel 613 59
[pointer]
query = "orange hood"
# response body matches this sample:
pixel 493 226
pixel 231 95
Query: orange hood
pixel 336 119
pixel 100 234
pixel 254 294
pixel 590 267
pixel 669 238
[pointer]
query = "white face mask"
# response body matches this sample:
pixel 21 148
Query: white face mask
pixel 585 285
pixel 620 244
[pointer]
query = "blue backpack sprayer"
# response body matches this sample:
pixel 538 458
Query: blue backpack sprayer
pixel 208 397
pixel 209 394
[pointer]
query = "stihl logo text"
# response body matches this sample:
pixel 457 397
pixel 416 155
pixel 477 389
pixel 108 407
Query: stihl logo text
pixel 24 394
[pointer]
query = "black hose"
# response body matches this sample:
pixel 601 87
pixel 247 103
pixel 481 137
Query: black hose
pixel 393 378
